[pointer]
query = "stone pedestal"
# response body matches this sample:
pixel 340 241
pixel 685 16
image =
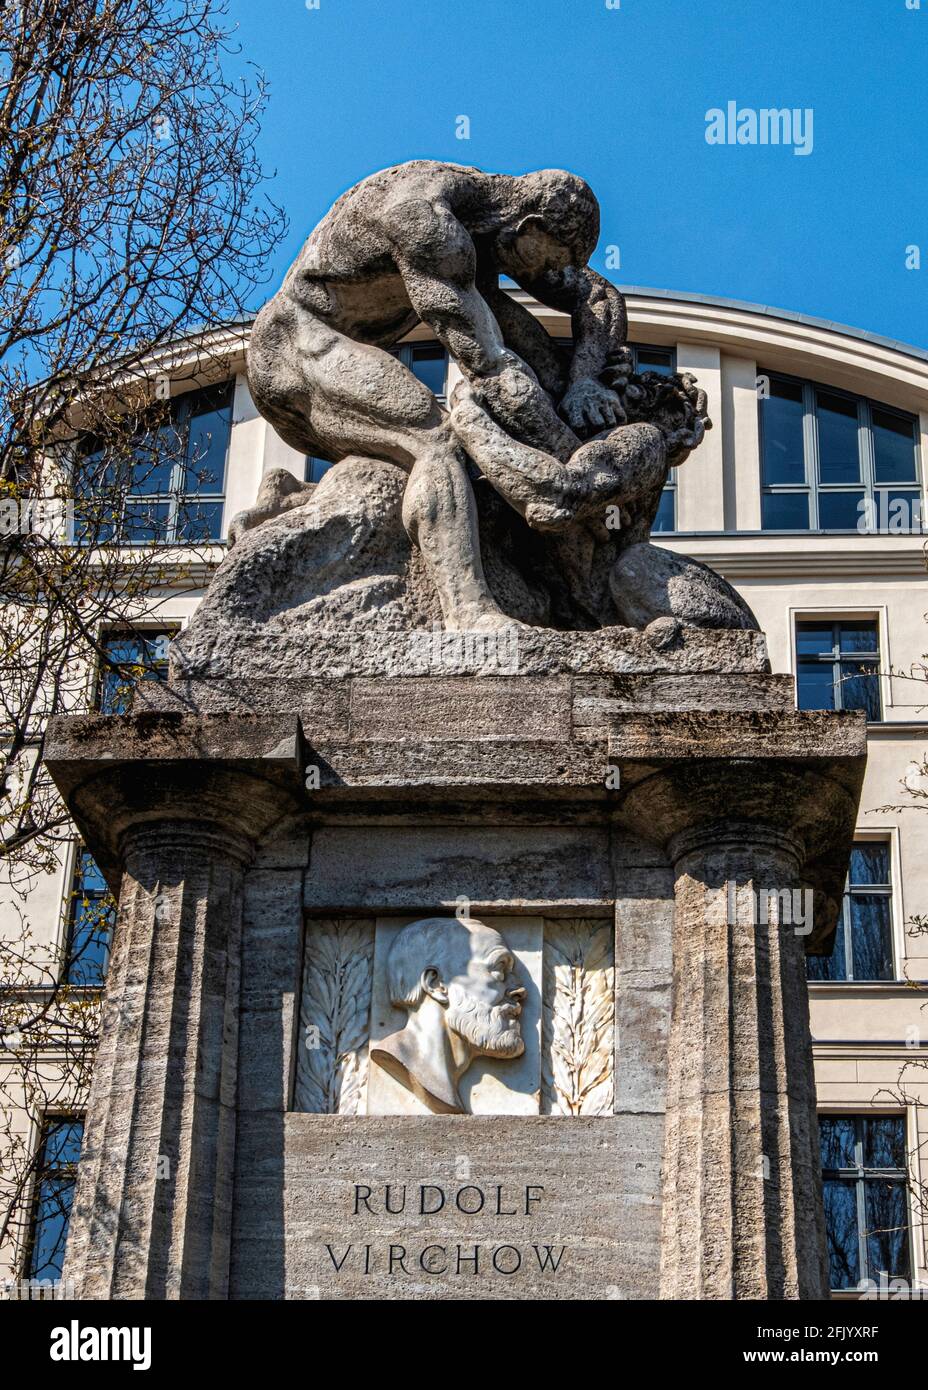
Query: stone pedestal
pixel 655 804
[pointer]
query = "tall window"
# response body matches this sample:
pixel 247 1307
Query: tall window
pixel 91 914
pixel 136 656
pixel 173 488
pixel 835 462
pixel 866 1215
pixel 863 948
pixel 837 665
pixel 54 1193
pixel 663 360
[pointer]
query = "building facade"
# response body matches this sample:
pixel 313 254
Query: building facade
pixel 808 495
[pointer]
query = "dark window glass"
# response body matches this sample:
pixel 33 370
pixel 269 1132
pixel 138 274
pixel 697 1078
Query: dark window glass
pixel 429 364
pixel 838 453
pixel 666 518
pixel 315 468
pixel 155 496
pixel 815 685
pixel 782 426
pixel 90 925
pixel 869 863
pixel 654 360
pixel 54 1194
pixel 838 439
pixel 210 422
pixel 893 447
pixel 785 511
pixel 866 1212
pixel 840 673
pixel 840 511
pixel 141 656
pixel 863 948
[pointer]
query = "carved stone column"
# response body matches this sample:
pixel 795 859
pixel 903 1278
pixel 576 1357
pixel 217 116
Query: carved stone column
pixel 176 825
pixel 153 1210
pixel 742 1209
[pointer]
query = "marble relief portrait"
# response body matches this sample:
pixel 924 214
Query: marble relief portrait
pixel 453 1015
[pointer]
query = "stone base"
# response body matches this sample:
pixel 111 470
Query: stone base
pixel 238 815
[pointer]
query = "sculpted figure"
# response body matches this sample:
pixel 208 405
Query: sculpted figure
pixel 555 457
pixel 428 241
pixel 456 980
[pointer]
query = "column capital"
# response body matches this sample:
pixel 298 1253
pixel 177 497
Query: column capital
pixel 731 836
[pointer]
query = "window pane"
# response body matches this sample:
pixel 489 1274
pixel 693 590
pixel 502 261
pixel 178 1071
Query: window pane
pixel 208 441
pixel 146 651
pixel 838 440
pixel 315 469
pixel 429 365
pixel 815 685
pixel 893 447
pixel 841 1227
pixel 887 1229
pixel 666 512
pixel 870 863
pixel 841 511
pixel 54 1196
pixel 833 967
pixel 785 511
pixel 860 688
pixel 655 360
pixel 899 512
pixel 146 522
pixel 838 1137
pixel 155 457
pixel 201 521
pixel 884 1141
pixel 859 637
pixel 814 641
pixel 782 428
pixel 871 936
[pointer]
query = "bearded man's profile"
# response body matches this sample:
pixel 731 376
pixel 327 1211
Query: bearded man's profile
pixel 455 978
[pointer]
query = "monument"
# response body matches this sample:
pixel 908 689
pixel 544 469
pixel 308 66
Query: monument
pixel 455 955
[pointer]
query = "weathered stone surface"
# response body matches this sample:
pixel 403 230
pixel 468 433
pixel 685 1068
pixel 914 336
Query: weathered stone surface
pixel 528 497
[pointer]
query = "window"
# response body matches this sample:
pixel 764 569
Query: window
pixel 56 1175
pixel 663 360
pixel 314 468
pixel 864 1179
pixel 91 915
pixel 831 461
pixel 863 948
pixel 837 665
pixel 173 488
pixel 139 656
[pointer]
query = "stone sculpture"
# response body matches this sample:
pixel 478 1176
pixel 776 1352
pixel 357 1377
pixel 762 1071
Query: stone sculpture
pixel 531 497
pixel 456 979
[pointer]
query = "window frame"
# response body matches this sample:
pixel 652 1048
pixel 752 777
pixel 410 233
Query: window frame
pixel 811 619
pixel 812 488
pixel 670 486
pixel 76 879
pixel 845 920
pixel 141 631
pixel 42 1132
pixel 182 408
pixel 859 1175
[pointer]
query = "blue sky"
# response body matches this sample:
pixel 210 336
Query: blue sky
pixel 620 96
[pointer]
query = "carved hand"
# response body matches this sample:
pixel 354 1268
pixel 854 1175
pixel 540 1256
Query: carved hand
pixel 588 406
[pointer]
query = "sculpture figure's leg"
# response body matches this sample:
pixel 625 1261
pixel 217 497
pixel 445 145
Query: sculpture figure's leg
pixel 325 393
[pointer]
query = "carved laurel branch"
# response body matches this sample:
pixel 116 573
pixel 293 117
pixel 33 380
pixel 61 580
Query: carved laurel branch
pixel 335 1008
pixel 578 1020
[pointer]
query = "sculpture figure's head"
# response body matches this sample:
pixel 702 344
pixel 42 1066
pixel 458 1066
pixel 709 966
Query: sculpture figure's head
pixel 466 968
pixel 553 223
pixel 676 405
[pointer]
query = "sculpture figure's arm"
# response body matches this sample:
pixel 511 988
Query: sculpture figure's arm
pixel 437 259
pixel 600 326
